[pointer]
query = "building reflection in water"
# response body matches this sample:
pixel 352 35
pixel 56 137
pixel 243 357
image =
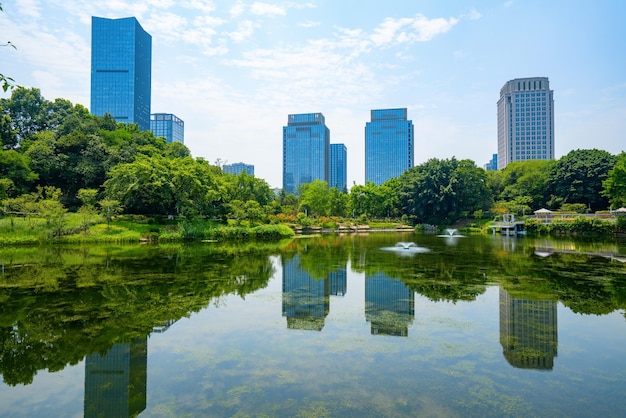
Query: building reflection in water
pixel 115 383
pixel 389 305
pixel 338 282
pixel 305 299
pixel 528 332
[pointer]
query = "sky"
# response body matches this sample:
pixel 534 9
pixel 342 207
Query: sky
pixel 234 70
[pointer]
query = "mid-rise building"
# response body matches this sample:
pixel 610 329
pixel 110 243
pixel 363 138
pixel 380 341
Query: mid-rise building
pixel 237 168
pixel 492 165
pixel 525 121
pixel 306 150
pixel 338 167
pixel 121 70
pixel 389 145
pixel 168 126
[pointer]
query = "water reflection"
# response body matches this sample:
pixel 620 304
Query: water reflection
pixel 389 305
pixel 115 383
pixel 230 354
pixel 339 282
pixel 305 299
pixel 528 332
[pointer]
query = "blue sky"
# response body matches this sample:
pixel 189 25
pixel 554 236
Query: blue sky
pixel 234 70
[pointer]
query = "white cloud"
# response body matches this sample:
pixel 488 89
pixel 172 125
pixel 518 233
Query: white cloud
pixel 474 15
pixel 409 30
pixel 237 10
pixel 207 6
pixel 266 9
pixel 308 24
pixel 28 8
pixel 244 31
pixel 167 25
pixel 429 28
pixel 297 5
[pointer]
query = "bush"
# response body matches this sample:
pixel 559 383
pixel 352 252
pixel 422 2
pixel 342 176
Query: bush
pixel 581 225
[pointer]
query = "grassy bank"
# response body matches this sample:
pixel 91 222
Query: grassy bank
pixel 129 229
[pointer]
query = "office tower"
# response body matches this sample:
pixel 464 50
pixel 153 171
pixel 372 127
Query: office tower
pixel 306 151
pixel 388 145
pixel 389 305
pixel 237 168
pixel 525 121
pixel 528 332
pixel 121 70
pixel 492 165
pixel 115 384
pixel 338 167
pixel 168 126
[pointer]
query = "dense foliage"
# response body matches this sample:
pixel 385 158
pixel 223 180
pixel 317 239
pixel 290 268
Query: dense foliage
pixel 54 151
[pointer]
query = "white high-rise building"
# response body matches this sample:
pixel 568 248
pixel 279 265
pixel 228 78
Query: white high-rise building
pixel 525 121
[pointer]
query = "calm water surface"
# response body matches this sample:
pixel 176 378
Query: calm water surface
pixel 317 327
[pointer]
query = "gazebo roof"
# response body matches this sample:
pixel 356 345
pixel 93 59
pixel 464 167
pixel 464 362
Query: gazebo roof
pixel 543 210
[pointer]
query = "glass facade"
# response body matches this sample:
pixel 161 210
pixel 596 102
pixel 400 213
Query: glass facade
pixel 338 167
pixel 306 150
pixel 388 145
pixel 492 165
pixel 237 168
pixel 167 126
pixel 121 70
pixel 525 121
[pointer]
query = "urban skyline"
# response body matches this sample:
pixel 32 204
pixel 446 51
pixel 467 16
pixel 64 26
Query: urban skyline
pixel 232 71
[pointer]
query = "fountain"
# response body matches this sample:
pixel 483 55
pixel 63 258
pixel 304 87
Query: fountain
pixel 451 233
pixel 403 248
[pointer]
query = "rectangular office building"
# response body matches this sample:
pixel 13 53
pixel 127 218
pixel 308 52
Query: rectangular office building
pixel 168 126
pixel 121 70
pixel 389 145
pixel 306 151
pixel 237 168
pixel 525 121
pixel 338 167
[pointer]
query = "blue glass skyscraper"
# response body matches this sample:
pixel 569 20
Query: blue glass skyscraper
pixel 388 145
pixel 121 70
pixel 338 166
pixel 168 126
pixel 306 150
pixel 237 168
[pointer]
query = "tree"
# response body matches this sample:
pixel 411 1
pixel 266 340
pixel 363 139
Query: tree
pixel 528 179
pixel 157 185
pixel 442 191
pixel 578 176
pixel 15 167
pixel 88 209
pixel 26 109
pixel 109 208
pixel 50 208
pixel 315 197
pixel 614 187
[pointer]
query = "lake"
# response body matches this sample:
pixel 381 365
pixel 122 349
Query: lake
pixel 332 326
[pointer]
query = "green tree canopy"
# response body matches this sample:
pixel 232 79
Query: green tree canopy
pixel 614 187
pixel 442 191
pixel 578 176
